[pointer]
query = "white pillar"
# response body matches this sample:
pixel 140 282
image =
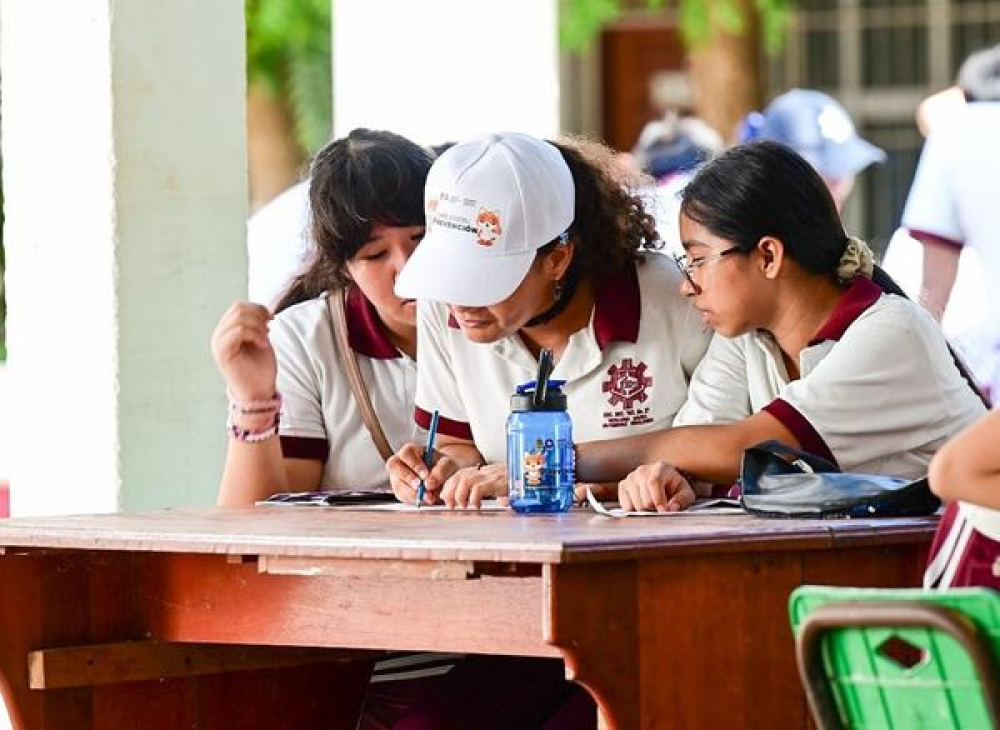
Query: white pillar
pixel 125 182
pixel 440 70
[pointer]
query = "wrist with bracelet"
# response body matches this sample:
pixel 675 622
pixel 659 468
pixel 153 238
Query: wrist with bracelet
pixel 253 421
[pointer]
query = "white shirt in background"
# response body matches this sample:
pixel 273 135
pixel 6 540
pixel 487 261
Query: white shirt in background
pixel 278 244
pixel 954 197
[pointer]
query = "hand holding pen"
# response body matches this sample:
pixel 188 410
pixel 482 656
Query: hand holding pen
pixel 418 472
pixel 428 455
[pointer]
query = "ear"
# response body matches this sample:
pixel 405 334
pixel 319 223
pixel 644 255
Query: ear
pixel 558 260
pixel 771 252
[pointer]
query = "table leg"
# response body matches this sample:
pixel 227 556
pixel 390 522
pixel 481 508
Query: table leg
pixel 50 600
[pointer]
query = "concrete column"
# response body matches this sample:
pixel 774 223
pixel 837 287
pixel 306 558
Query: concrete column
pixel 441 70
pixel 125 181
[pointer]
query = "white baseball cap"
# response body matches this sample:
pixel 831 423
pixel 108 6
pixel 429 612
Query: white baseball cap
pixel 491 203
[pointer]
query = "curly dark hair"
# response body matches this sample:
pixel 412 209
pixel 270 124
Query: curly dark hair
pixel 611 227
pixel 364 178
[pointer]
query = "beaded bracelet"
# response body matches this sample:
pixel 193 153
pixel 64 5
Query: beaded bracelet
pixel 262 410
pixel 254 407
pixel 253 435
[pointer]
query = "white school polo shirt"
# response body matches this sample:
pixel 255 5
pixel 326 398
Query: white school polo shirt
pixel 319 417
pixel 953 198
pixel 626 372
pixel 878 392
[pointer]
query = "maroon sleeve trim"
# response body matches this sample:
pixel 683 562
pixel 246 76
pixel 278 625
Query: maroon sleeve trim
pixel 305 447
pixel 807 436
pixel 933 238
pixel 455 429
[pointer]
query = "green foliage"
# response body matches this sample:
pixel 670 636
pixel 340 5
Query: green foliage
pixel 289 54
pixel 581 20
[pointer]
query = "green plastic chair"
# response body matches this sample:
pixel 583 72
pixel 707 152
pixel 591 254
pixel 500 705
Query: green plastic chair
pixel 875 659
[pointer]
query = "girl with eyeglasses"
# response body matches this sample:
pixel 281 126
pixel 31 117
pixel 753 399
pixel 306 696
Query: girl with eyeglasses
pixel 814 345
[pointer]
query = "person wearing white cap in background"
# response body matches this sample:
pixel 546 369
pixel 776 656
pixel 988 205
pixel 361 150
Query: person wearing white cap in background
pixel 534 244
pixel 818 127
pixel 952 205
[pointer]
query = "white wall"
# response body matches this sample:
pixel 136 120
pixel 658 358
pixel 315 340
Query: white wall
pixel 125 199
pixel 440 70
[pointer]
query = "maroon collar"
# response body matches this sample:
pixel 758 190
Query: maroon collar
pixel 365 331
pixel 860 295
pixel 617 309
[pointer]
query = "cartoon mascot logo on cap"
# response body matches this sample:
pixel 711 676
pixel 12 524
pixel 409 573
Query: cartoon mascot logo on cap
pixel 488 227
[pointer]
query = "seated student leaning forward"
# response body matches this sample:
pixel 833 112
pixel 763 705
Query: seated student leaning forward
pixel 814 345
pixel 366 202
pixel 534 244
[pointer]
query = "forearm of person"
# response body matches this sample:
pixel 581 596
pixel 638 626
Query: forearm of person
pixel 940 269
pixel 463 453
pixel 710 454
pixel 253 472
pixel 967 468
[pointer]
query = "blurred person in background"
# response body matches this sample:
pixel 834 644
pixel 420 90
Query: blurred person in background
pixel 952 207
pixel 819 128
pixel 670 150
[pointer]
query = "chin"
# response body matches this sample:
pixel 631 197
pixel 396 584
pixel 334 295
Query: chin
pixel 726 329
pixel 481 335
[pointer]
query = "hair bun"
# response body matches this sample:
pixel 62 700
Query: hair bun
pixel 856 259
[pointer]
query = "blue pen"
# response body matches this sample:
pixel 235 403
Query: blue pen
pixel 428 455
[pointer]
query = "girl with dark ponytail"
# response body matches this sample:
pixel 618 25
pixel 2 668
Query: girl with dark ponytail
pixel 814 346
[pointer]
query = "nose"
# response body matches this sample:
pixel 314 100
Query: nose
pixel 689 288
pixel 400 256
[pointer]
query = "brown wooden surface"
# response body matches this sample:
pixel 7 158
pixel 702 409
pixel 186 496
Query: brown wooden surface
pixel 490 536
pixel 675 622
pixel 135 661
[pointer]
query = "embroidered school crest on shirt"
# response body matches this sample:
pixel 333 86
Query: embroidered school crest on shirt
pixel 627 387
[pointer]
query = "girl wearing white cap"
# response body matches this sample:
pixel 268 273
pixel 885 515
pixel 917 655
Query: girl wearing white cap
pixel 366 199
pixel 533 244
pixel 815 346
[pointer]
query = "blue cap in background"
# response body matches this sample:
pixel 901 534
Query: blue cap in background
pixel 819 128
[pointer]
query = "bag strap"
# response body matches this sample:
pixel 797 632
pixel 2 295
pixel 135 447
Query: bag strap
pixel 338 322
pixel 792 455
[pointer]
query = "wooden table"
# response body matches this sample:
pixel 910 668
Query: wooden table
pixel 142 619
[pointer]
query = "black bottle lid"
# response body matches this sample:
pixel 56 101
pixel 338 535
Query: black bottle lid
pixel 524 398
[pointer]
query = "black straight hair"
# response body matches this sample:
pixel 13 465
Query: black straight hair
pixel 765 188
pixel 356 181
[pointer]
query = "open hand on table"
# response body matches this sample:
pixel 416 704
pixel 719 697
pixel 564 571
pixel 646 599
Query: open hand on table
pixel 656 486
pixel 470 486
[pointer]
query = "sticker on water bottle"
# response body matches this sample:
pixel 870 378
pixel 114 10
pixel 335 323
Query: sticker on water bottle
pixel 535 465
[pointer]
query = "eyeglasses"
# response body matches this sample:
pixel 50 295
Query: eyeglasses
pixel 688 266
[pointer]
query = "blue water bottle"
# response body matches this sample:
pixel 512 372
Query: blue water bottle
pixel 540 469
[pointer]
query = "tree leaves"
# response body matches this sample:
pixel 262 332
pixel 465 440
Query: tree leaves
pixel 580 21
pixel 289 54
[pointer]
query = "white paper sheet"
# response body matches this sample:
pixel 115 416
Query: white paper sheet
pixel 700 507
